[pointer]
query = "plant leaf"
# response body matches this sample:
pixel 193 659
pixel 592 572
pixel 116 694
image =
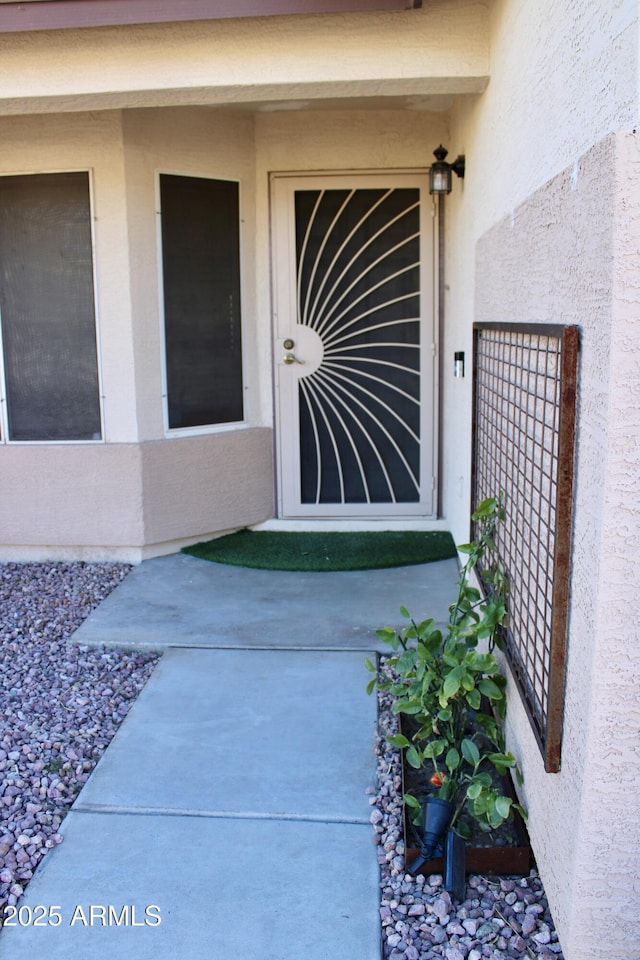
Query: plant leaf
pixel 484 779
pixel 406 662
pixel 411 707
pixel 464 830
pixel 485 509
pixel 474 699
pixel 470 752
pixel 503 806
pixel 370 667
pixel 413 758
pixel 451 686
pixel 502 761
pixel 474 790
pixel 490 689
pixel 434 748
pixel 371 685
pixel 452 759
pixel 399 740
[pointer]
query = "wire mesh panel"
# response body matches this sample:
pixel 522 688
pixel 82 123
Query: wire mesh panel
pixel 523 441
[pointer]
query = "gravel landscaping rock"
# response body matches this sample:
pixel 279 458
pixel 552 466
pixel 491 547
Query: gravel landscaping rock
pixel 60 704
pixel 500 917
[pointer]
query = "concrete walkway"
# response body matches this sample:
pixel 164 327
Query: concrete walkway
pixel 229 816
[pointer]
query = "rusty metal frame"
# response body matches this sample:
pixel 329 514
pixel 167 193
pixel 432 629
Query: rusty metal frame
pixel 523 438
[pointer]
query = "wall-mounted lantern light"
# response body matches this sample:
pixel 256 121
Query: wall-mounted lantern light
pixel 440 172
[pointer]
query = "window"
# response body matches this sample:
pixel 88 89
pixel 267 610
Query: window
pixel 47 311
pixel 200 231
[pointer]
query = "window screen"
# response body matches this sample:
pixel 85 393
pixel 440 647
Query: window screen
pixel 47 308
pixel 201 271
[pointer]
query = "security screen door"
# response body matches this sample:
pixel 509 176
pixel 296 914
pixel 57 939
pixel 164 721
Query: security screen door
pixel 355 346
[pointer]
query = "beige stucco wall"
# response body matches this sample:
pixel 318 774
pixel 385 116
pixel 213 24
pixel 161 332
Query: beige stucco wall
pixel 132 513
pixel 326 140
pixel 553 261
pixel 563 76
pixel 129 501
pixel 534 232
pixel 544 228
pixel 196 142
pixel 440 49
pixel 194 486
pixel 70 496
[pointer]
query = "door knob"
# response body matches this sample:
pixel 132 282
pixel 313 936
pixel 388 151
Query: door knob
pixel 290 358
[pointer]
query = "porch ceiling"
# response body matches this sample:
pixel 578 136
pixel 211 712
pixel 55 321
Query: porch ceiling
pixel 62 14
pixel 267 62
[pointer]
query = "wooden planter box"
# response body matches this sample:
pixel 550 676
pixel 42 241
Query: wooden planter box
pixel 492 860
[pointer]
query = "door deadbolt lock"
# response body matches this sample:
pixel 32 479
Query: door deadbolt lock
pixel 288 344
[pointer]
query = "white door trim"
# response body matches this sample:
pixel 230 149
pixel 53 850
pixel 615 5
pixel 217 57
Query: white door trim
pixel 308 348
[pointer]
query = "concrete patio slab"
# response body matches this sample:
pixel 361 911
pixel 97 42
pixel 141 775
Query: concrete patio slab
pixel 249 732
pixel 180 600
pixel 233 798
pixel 222 889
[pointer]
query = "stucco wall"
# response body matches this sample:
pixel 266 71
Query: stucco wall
pixel 553 260
pixel 67 496
pixel 612 761
pixel 194 486
pixel 129 501
pixel 440 49
pixel 116 495
pixel 563 76
pixel 191 142
pixel 544 228
pixel 326 140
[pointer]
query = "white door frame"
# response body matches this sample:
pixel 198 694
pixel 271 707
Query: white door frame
pixel 309 352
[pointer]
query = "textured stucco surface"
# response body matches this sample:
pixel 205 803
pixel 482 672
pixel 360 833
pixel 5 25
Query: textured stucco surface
pixel 563 76
pixel 569 255
pixel 71 494
pixel 133 498
pixel 191 142
pixel 542 229
pixel 194 485
pixel 440 49
pixel 302 141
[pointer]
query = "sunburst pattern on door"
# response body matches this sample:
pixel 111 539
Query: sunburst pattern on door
pixel 358 288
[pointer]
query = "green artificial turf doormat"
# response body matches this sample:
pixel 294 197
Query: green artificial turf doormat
pixel 275 550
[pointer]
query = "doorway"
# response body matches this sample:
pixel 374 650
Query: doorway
pixel 355 346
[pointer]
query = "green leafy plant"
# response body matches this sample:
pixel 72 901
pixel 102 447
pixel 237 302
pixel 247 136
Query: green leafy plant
pixel 454 691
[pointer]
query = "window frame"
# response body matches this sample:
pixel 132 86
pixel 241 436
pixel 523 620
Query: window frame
pixel 5 439
pixel 210 428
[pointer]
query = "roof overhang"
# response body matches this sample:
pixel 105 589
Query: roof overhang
pixel 28 15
